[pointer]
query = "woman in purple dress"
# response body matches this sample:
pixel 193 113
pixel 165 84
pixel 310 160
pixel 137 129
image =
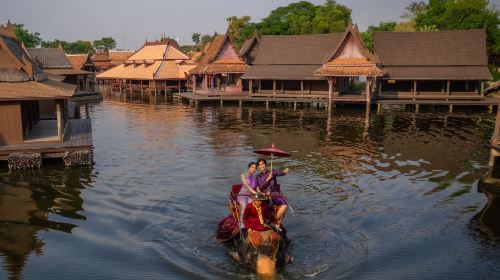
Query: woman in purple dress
pixel 248 189
pixel 267 183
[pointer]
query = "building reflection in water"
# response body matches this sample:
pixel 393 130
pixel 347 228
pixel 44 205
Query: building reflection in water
pixel 27 202
pixel 486 221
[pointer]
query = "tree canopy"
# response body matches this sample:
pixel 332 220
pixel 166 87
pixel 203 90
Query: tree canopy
pixel 30 40
pixel 105 44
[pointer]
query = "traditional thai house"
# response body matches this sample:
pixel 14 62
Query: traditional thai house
pixel 34 111
pixel 156 66
pixel 220 68
pixel 441 65
pixel 285 65
pixel 350 60
pixel 105 60
pixel 57 66
pixel 82 62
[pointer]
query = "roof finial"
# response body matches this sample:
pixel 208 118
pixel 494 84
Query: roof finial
pixel 9 24
pixel 59 46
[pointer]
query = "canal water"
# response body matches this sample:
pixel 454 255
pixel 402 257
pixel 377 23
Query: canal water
pixel 376 195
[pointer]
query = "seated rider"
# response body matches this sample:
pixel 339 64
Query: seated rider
pixel 267 183
pixel 249 188
pixel 258 220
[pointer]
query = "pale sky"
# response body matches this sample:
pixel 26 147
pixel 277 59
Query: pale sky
pixel 130 22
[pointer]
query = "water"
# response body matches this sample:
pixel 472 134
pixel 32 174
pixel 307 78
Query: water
pixel 376 196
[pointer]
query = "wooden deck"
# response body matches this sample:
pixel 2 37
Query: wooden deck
pixel 483 101
pixel 77 137
pixel 269 97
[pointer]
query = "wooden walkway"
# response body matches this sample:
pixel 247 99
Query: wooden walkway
pixel 278 97
pixel 77 137
pixel 336 99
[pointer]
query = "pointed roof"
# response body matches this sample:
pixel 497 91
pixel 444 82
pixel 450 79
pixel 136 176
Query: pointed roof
pixel 20 77
pixel 51 58
pixel 350 57
pixel 159 60
pixel 221 57
pixel 79 60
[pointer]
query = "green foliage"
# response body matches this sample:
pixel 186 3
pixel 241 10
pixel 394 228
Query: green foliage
pixel 383 26
pixel 76 47
pixel 306 18
pixel 494 73
pixel 414 9
pixel 463 14
pixel 30 40
pixel 331 17
pixel 196 38
pixel 105 44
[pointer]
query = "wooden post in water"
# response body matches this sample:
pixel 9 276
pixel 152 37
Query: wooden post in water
pixel 330 90
pixel 496 134
pixel 274 86
pixel 59 120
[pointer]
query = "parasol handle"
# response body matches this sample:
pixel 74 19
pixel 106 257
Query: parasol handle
pixel 272 162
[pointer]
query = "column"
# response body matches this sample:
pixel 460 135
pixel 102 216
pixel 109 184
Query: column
pixel 59 120
pixel 250 86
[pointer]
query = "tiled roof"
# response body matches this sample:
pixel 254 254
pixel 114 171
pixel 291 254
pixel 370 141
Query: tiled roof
pixel 50 57
pixel 35 90
pixel 220 57
pixel 439 48
pixel 77 60
pixel 457 54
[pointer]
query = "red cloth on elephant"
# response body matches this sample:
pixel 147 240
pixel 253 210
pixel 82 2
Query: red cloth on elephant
pixel 251 217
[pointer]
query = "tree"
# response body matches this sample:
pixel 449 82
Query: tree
pixel 406 26
pixel 382 26
pixel 105 44
pixel 331 17
pixel 196 38
pixel 463 14
pixel 30 40
pixel 414 9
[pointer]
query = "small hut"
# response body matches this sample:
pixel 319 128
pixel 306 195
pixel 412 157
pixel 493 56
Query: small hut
pixel 219 69
pixel 350 60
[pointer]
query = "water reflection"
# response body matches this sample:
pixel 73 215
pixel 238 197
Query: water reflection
pixel 34 201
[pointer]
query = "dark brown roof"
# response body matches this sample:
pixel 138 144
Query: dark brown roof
pixel 440 48
pixel 15 63
pixel 457 54
pixel 296 49
pixel 292 57
pixel 437 72
pixel 282 72
pixel 50 57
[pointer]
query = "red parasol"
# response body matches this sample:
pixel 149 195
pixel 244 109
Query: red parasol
pixel 273 151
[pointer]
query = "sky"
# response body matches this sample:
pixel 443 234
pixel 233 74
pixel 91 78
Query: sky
pixel 131 22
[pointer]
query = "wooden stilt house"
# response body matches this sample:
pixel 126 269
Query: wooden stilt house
pixel 219 69
pixel 156 66
pixel 350 60
pixel 34 111
pixel 441 65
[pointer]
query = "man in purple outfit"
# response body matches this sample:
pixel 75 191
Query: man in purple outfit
pixel 267 183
